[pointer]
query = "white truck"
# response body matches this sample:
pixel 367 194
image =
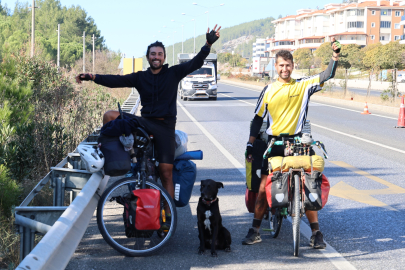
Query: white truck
pixel 258 65
pixel 201 83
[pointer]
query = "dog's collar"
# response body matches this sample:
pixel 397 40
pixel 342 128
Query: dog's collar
pixel 209 202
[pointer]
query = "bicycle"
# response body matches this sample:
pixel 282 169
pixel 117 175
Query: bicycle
pixel 110 211
pixel 296 191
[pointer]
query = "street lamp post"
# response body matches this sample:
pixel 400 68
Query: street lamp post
pixel 182 34
pixel 58 56
pixel 33 7
pixel 207 12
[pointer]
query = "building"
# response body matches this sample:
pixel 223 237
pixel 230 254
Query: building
pixel 259 48
pixel 361 23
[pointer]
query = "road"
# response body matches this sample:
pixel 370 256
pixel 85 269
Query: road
pixel 363 221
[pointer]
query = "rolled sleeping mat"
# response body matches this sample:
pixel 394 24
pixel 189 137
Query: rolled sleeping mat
pixel 196 155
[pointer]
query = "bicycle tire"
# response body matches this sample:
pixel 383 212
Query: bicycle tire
pixel 275 222
pixel 111 224
pixel 296 218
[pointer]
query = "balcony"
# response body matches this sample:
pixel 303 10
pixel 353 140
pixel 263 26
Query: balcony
pixel 402 20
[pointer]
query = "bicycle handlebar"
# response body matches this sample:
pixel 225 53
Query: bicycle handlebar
pixel 274 142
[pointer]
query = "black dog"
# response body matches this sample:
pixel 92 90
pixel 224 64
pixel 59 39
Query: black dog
pixel 210 230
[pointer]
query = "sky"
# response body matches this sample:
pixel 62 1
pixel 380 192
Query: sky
pixel 130 26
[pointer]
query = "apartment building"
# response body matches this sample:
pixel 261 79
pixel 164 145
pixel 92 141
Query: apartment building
pixel 259 48
pixel 361 23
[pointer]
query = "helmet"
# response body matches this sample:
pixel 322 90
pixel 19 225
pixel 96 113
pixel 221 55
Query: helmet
pixel 92 157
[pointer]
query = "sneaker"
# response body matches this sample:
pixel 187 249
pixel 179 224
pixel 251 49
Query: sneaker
pixel 166 225
pixel 316 241
pixel 252 237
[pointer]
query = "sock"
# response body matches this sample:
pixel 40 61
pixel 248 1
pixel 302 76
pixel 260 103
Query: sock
pixel 314 227
pixel 256 223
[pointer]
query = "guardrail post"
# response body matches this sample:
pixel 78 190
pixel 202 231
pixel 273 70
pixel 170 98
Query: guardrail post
pixel 58 190
pixel 27 241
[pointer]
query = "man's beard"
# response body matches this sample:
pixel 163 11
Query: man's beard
pixel 153 67
pixel 284 76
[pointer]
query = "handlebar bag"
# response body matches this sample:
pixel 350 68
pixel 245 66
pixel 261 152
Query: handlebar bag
pixel 250 200
pixel 116 160
pixel 253 169
pixel 141 212
pixel 184 176
pixel 277 187
pixel 316 191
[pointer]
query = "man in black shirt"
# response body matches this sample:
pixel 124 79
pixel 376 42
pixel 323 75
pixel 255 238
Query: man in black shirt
pixel 157 87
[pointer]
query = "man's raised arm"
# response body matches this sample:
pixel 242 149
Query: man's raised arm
pixel 329 73
pixel 198 60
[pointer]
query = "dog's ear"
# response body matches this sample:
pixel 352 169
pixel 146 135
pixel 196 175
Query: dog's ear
pixel 220 185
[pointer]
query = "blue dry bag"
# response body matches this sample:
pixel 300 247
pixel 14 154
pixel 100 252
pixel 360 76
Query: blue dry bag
pixel 184 175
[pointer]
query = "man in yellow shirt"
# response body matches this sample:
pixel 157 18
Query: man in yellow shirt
pixel 285 102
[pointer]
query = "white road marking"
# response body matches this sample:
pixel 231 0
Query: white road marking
pixel 373 114
pixel 323 104
pixel 361 139
pixel 251 104
pixel 336 259
pixel 225 152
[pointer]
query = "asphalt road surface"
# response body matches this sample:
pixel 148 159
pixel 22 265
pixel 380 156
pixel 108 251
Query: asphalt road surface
pixel 363 222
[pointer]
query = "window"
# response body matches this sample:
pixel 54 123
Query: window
pixel 396 37
pixel 397 13
pixel 386 12
pixel 355 12
pixel 372 24
pixel 382 38
pixel 372 37
pixel 385 24
pixel 355 24
pixel 397 26
pixel 373 12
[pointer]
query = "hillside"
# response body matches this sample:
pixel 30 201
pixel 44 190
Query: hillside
pixel 238 38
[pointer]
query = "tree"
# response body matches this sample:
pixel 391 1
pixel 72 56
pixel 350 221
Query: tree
pixel 389 57
pixel 324 52
pixel 347 60
pixel 370 61
pixel 304 59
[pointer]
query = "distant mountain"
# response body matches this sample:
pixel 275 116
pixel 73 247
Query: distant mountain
pixel 238 38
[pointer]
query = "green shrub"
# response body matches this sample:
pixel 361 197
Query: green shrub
pixel 9 192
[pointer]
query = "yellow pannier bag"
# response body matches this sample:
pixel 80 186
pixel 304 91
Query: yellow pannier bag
pixel 297 162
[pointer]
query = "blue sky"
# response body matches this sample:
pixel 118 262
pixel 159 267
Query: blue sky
pixel 130 26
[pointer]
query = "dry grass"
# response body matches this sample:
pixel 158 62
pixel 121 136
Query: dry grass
pixel 9 244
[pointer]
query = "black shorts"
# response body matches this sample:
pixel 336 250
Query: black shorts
pixel 163 132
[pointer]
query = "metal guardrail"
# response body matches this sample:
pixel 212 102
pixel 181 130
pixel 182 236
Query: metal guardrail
pixel 62 226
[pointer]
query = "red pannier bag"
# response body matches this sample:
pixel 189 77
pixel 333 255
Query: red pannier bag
pixel 277 187
pixel 147 209
pixel 141 212
pixel 317 188
pixel 250 200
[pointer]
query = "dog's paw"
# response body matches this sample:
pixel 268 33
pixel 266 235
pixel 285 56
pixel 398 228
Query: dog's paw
pixel 201 251
pixel 214 254
pixel 228 249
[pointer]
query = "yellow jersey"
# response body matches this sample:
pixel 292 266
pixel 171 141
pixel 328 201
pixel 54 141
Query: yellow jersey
pixel 286 104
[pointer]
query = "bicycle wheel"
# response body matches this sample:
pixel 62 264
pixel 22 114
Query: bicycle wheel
pixel 111 224
pixel 296 218
pixel 275 223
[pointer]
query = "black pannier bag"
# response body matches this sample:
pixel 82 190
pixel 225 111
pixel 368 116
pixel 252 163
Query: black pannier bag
pixel 277 190
pixel 116 160
pixel 253 169
pixel 316 191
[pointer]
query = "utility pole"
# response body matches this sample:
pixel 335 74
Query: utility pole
pixel 182 37
pixel 33 29
pixel 58 59
pixel 84 51
pixel 93 53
